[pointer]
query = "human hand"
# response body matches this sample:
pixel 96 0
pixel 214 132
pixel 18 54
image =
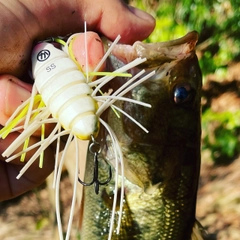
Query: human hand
pixel 37 20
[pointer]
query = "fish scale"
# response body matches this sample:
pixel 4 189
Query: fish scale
pixel 162 166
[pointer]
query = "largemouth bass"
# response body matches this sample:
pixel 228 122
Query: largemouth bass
pixel 161 167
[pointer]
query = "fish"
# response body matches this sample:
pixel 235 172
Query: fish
pixel 160 168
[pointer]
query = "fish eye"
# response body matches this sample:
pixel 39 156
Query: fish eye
pixel 182 93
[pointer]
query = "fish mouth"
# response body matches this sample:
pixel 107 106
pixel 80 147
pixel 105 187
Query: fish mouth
pixel 157 53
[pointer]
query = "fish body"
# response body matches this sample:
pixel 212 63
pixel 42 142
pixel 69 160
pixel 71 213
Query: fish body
pixel 161 167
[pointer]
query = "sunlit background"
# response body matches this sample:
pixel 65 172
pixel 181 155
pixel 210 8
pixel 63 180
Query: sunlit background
pixel 218 24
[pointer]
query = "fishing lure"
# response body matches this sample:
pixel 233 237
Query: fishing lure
pixel 95 149
pixel 63 95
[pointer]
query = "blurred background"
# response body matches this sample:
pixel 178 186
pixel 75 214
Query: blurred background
pixel 218 209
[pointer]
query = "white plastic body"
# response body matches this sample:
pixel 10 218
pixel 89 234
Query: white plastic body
pixel 64 90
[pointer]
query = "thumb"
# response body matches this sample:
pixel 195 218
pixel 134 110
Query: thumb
pixel 37 20
pixel 118 18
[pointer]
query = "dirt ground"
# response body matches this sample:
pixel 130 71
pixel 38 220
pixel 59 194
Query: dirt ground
pixel 218 209
pixel 31 216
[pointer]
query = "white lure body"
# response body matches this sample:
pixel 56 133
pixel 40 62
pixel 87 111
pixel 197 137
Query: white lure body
pixel 61 95
pixel 64 90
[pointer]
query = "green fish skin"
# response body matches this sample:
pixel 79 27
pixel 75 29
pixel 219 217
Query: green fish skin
pixel 161 166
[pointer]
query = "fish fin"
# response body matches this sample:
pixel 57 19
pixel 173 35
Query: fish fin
pixel 198 232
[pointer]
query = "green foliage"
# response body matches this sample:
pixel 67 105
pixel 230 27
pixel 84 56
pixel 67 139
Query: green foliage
pixel 42 222
pixel 221 135
pixel 166 29
pixel 217 21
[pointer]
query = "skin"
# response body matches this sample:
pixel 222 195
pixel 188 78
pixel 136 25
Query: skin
pixel 23 22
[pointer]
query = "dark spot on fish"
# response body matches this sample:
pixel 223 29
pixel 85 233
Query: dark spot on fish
pixel 108 198
pixel 73 11
pixel 192 71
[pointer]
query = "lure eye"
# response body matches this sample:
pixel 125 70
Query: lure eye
pixel 182 93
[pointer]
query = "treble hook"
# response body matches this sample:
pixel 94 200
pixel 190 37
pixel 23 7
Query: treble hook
pixel 95 149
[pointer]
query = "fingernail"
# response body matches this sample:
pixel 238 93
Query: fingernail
pixel 141 14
